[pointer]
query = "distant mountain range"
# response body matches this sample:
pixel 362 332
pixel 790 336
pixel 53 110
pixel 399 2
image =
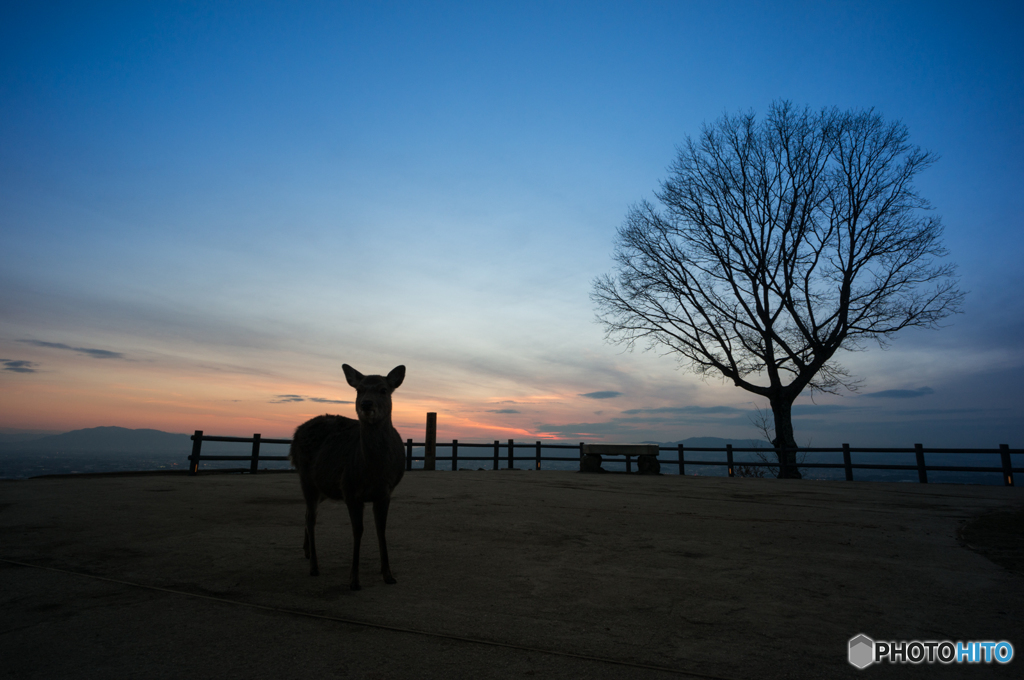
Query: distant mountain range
pixel 98 440
pixel 115 449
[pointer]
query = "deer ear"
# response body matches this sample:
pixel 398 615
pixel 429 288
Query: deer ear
pixel 396 376
pixel 353 376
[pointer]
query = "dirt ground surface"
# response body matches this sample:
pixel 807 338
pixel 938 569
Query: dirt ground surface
pixel 502 574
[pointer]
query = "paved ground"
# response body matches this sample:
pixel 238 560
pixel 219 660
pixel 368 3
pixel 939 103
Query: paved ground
pixel 501 574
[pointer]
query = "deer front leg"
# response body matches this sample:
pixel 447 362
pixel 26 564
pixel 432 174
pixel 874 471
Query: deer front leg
pixel 309 544
pixel 355 514
pixel 380 519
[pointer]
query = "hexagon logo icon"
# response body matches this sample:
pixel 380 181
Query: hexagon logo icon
pixel 862 651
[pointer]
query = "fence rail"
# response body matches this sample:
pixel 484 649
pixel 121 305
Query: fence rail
pixel 504 452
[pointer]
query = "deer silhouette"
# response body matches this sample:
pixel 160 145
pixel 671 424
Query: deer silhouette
pixel 355 461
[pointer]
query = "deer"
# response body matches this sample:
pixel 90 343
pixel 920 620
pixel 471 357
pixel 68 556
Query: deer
pixel 355 461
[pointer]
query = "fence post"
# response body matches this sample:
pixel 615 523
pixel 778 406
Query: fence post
pixel 254 465
pixel 728 458
pixel 408 454
pixel 581 455
pixel 430 452
pixel 682 461
pixel 922 471
pixel 511 446
pixel 538 455
pixel 846 462
pixel 1004 453
pixel 455 455
pixel 197 445
pixel 496 445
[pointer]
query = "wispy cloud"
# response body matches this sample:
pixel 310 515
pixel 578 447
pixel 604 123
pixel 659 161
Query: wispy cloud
pixel 288 398
pixel 684 410
pixel 503 410
pixel 949 412
pixel 88 351
pixel 642 420
pixel 598 430
pixel 18 366
pixel 900 394
pixel 601 395
pixel 817 409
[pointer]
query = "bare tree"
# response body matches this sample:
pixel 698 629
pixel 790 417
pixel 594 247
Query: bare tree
pixel 780 242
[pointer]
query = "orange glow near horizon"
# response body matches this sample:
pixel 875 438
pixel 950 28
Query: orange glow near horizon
pixel 241 405
pixel 219 397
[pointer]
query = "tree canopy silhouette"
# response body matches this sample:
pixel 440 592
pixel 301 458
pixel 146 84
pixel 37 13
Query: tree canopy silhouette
pixel 778 243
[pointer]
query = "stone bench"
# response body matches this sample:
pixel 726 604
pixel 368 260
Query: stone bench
pixel 646 457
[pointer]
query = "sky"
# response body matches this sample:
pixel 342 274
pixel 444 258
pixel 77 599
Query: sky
pixel 207 208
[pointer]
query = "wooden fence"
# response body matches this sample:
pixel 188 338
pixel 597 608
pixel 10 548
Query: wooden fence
pixel 504 452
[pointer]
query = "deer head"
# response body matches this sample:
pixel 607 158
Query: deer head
pixel 373 393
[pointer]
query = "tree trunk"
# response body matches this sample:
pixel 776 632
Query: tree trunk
pixel 784 442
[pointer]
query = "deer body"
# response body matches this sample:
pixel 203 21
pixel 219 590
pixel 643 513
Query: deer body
pixel 355 461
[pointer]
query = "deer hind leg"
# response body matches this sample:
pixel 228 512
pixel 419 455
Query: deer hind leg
pixel 380 519
pixel 355 514
pixel 309 542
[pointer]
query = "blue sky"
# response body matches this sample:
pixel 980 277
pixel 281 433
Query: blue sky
pixel 206 206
